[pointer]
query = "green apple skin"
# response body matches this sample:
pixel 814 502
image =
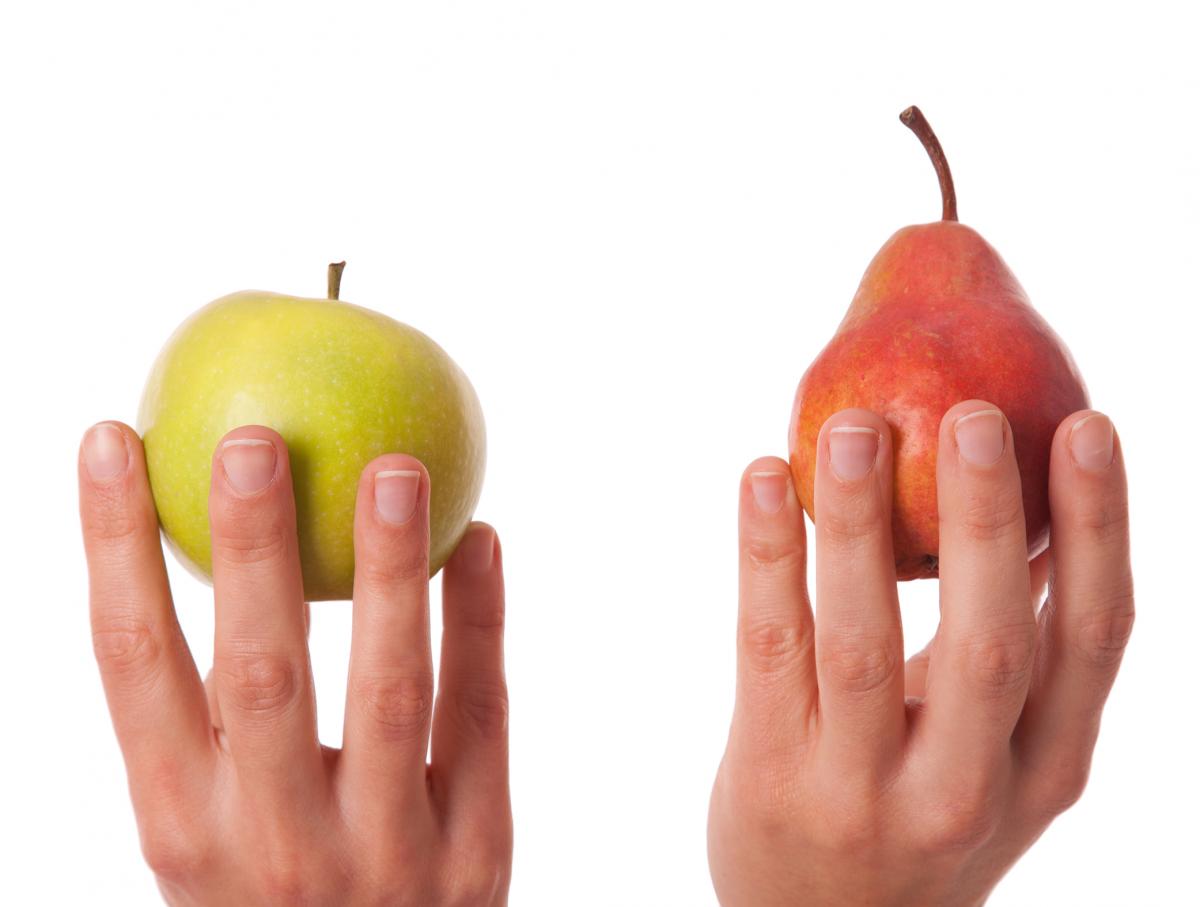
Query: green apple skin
pixel 341 384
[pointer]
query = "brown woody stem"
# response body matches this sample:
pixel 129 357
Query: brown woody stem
pixel 915 120
pixel 335 278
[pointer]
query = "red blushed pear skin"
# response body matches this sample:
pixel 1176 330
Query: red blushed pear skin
pixel 938 319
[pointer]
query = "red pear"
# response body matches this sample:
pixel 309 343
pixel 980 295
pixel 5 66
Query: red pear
pixel 939 318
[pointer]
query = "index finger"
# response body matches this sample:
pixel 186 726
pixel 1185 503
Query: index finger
pixel 776 682
pixel 153 689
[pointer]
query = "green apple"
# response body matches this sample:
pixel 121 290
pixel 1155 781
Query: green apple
pixel 341 384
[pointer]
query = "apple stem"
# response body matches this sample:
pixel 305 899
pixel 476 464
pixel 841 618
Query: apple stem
pixel 915 120
pixel 335 278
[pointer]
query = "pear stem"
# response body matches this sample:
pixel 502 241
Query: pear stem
pixel 915 120
pixel 335 278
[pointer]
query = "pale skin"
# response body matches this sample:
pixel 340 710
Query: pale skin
pixel 851 778
pixel 237 802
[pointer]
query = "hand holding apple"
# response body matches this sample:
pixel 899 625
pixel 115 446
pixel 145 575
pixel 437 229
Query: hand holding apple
pixel 236 799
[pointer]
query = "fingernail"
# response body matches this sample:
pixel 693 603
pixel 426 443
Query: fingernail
pixel 770 490
pixel 1091 442
pixel 249 464
pixel 396 493
pixel 852 451
pixel 478 547
pixel 104 453
pixel 980 436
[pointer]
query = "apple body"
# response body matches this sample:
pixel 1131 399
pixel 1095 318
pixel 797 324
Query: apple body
pixel 341 384
pixel 939 318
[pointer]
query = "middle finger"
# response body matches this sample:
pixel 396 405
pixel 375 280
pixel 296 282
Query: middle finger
pixel 389 698
pixel 262 674
pixel 860 646
pixel 980 670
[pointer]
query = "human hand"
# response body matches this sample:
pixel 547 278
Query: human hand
pixel 838 785
pixel 241 804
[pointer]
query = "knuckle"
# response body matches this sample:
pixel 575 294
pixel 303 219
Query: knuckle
pixel 261 684
pixel 850 819
pixel 1101 638
pixel 477 879
pixel 484 619
pixel 854 832
pixel 172 850
pixel 957 830
pixel 256 545
pixel 771 556
pixel 283 879
pixel 1059 790
pixel 388 569
pixel 1001 664
pixel 385 857
pixel 858 665
pixel 482 708
pixel 111 520
pixel 397 707
pixel 961 821
pixel 990 517
pixel 1105 520
pixel 851 527
pixel 772 646
pixel 124 646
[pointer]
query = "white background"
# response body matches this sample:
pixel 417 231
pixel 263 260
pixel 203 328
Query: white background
pixel 633 224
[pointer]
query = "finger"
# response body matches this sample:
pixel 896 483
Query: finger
pixel 776 681
pixel 389 697
pixel 470 724
pixel 979 675
pixel 153 688
pixel 1088 618
pixel 210 689
pixel 860 646
pixel 260 658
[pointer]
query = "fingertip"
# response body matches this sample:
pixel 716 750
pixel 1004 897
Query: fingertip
pixel 393 490
pixel 478 551
pixel 394 461
pixel 1090 441
pixel 248 461
pixel 764 464
pixel 771 522
pixel 977 433
pixel 114 491
pixel 766 486
pixel 252 433
pixel 855 417
pixel 851 444
pixel 964 408
pixel 1087 478
pixel 104 452
pixel 1087 474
